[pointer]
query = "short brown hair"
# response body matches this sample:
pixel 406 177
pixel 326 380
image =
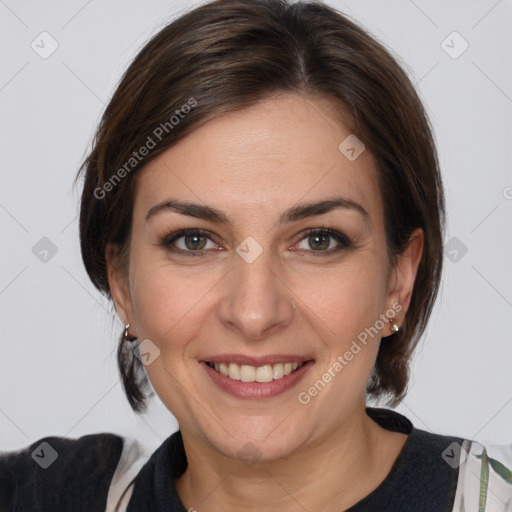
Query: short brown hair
pixel 229 54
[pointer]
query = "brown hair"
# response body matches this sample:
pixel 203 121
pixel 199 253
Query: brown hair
pixel 229 54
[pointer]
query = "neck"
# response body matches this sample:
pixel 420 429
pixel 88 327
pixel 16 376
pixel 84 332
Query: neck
pixel 328 475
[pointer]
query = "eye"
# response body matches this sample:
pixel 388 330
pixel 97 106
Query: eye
pixel 188 241
pixel 193 242
pixel 325 240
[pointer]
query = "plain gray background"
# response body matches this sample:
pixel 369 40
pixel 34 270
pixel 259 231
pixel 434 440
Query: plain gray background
pixel 58 372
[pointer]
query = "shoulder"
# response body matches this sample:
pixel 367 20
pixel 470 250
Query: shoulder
pixel 485 477
pixel 456 474
pixel 422 448
pixel 58 473
pixel 423 477
pixel 425 472
pixel 476 476
pixel 154 485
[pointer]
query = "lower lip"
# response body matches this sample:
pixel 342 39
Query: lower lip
pixel 241 389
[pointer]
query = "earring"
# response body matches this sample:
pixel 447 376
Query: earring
pixel 127 335
pixel 394 327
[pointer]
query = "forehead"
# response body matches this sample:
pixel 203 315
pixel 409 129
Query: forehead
pixel 278 152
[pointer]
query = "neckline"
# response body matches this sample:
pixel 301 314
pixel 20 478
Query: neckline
pixel 170 463
pixel 394 422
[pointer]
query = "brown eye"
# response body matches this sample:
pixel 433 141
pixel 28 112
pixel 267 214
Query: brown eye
pixel 188 241
pixel 320 242
pixel 194 242
pixel 325 240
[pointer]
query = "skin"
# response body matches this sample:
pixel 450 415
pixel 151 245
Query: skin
pixel 253 165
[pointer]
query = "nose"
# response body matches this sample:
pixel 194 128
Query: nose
pixel 256 301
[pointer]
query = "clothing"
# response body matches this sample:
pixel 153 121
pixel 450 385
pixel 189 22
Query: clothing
pixel 432 473
pixel 77 480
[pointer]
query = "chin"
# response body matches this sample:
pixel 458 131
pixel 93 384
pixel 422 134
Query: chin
pixel 259 440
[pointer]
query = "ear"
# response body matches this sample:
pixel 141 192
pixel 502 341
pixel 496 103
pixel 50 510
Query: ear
pixel 403 274
pixel 119 287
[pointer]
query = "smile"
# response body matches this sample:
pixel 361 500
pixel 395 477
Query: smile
pixel 256 378
pixel 247 373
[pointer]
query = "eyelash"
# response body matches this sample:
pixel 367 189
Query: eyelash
pixel 343 240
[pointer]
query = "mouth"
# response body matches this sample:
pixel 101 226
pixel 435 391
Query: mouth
pixel 248 373
pixel 262 378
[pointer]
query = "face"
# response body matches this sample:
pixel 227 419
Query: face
pixel 263 312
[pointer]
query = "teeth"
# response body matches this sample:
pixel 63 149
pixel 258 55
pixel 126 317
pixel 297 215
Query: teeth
pixel 265 373
pixel 278 371
pixel 247 373
pixel 234 371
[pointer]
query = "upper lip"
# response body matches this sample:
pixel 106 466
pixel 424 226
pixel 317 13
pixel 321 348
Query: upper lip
pixel 256 360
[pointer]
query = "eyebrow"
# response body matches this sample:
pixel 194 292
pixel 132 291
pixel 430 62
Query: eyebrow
pixel 297 212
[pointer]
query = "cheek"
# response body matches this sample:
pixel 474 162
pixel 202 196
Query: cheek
pixel 346 299
pixel 344 304
pixel 168 300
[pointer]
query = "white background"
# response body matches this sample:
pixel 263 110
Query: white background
pixel 58 372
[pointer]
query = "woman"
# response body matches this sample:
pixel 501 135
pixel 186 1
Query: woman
pixel 263 205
